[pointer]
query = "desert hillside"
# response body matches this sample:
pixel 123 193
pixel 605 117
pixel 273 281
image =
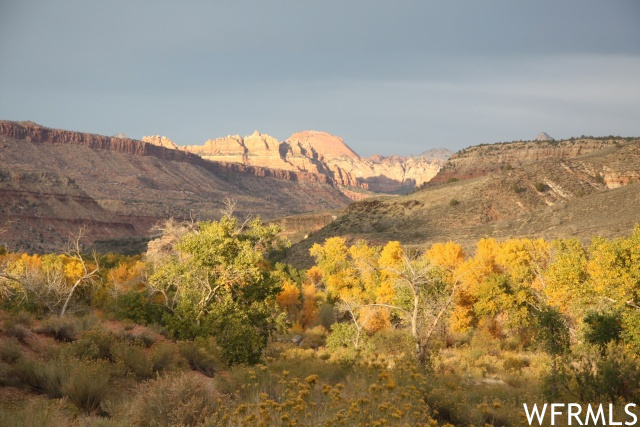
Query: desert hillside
pixel 482 159
pixel 577 188
pixel 54 181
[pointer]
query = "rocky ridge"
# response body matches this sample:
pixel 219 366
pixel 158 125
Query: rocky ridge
pixel 53 181
pixel 161 141
pixel 32 132
pixel 480 160
pixel 326 154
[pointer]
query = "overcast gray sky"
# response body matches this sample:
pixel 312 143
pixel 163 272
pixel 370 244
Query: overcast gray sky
pixel 388 77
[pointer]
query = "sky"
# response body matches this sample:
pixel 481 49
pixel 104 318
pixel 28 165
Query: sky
pixel 388 77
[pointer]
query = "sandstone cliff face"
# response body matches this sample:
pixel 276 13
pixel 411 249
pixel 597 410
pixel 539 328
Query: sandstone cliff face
pixel 326 145
pixel 161 141
pixel 324 154
pixel 377 173
pixel 481 160
pixel 390 174
pixel 263 150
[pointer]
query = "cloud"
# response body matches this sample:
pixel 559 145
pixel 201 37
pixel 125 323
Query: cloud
pixel 388 77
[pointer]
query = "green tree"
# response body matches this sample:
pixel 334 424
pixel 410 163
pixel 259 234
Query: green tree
pixel 216 282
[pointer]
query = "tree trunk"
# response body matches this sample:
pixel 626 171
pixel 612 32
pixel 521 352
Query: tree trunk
pixel 414 324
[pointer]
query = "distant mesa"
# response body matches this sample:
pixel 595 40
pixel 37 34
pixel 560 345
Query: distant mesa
pixel 120 135
pixel 543 136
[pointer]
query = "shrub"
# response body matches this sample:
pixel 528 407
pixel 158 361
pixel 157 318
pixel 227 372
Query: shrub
pixel 87 385
pixel 342 341
pixel 517 189
pixel 202 355
pixel 17 331
pixel 10 352
pixel 60 328
pixel 165 356
pixel 631 329
pixel 326 315
pixel 540 187
pixel 393 342
pixel 133 358
pixel 46 378
pixel 128 324
pixel 37 411
pixel 599 178
pixel 593 375
pixel 514 364
pixel 314 337
pixel 452 179
pixel 454 202
pixel 135 306
pixel 145 339
pixel 93 345
pixel 23 318
pixel 177 400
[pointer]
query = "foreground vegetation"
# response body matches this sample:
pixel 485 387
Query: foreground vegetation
pixel 205 331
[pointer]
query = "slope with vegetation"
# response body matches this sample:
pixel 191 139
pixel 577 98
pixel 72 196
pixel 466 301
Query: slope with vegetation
pixel 592 194
pixel 209 332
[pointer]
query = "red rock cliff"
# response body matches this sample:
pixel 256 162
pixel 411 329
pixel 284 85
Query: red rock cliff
pixel 35 133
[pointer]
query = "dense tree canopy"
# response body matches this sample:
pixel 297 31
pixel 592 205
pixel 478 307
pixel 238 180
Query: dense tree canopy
pixel 217 282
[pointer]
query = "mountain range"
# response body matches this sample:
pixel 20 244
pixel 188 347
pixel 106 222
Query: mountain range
pixel 54 181
pixel 321 153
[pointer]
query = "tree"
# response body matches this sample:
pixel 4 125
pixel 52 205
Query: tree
pixel 430 283
pixel 505 284
pixel 217 282
pixel 352 276
pixel 370 283
pixel 78 270
pixel 49 282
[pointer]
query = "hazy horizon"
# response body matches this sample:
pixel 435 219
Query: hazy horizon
pixel 388 78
